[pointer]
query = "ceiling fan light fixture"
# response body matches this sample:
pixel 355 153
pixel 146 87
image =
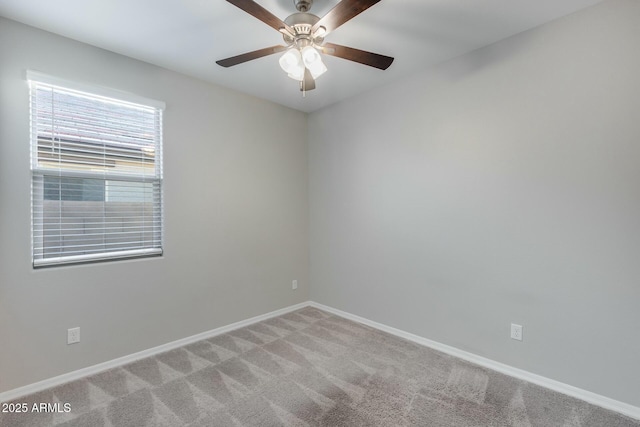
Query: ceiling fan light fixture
pixel 310 56
pixel 291 63
pixel 313 61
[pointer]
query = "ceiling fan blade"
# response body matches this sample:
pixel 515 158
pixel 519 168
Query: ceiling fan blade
pixel 341 13
pixel 363 57
pixel 239 59
pixel 308 83
pixel 257 11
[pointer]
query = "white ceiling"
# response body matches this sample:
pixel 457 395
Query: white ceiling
pixel 188 36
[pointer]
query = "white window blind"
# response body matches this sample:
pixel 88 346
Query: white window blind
pixel 96 176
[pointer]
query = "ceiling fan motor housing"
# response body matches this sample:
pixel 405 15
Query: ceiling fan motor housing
pixel 302 23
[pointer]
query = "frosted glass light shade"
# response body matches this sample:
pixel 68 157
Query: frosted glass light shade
pixel 291 63
pixel 313 61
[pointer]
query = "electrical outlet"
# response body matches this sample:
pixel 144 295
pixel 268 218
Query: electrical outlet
pixel 294 284
pixel 73 335
pixel 516 332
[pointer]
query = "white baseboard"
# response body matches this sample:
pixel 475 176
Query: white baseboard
pixel 587 396
pixel 91 370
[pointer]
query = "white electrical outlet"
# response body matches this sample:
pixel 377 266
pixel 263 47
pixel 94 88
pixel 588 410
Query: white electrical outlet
pixel 294 284
pixel 73 335
pixel 516 332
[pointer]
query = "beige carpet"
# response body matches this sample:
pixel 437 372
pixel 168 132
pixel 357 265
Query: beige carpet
pixel 308 368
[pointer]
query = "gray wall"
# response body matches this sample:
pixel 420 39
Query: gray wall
pixel 503 186
pixel 236 218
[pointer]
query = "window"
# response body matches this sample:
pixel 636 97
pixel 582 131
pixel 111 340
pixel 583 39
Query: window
pixel 96 165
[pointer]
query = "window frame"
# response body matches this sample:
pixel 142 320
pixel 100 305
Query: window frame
pixel 96 93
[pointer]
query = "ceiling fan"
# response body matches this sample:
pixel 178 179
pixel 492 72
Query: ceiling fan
pixel 304 34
